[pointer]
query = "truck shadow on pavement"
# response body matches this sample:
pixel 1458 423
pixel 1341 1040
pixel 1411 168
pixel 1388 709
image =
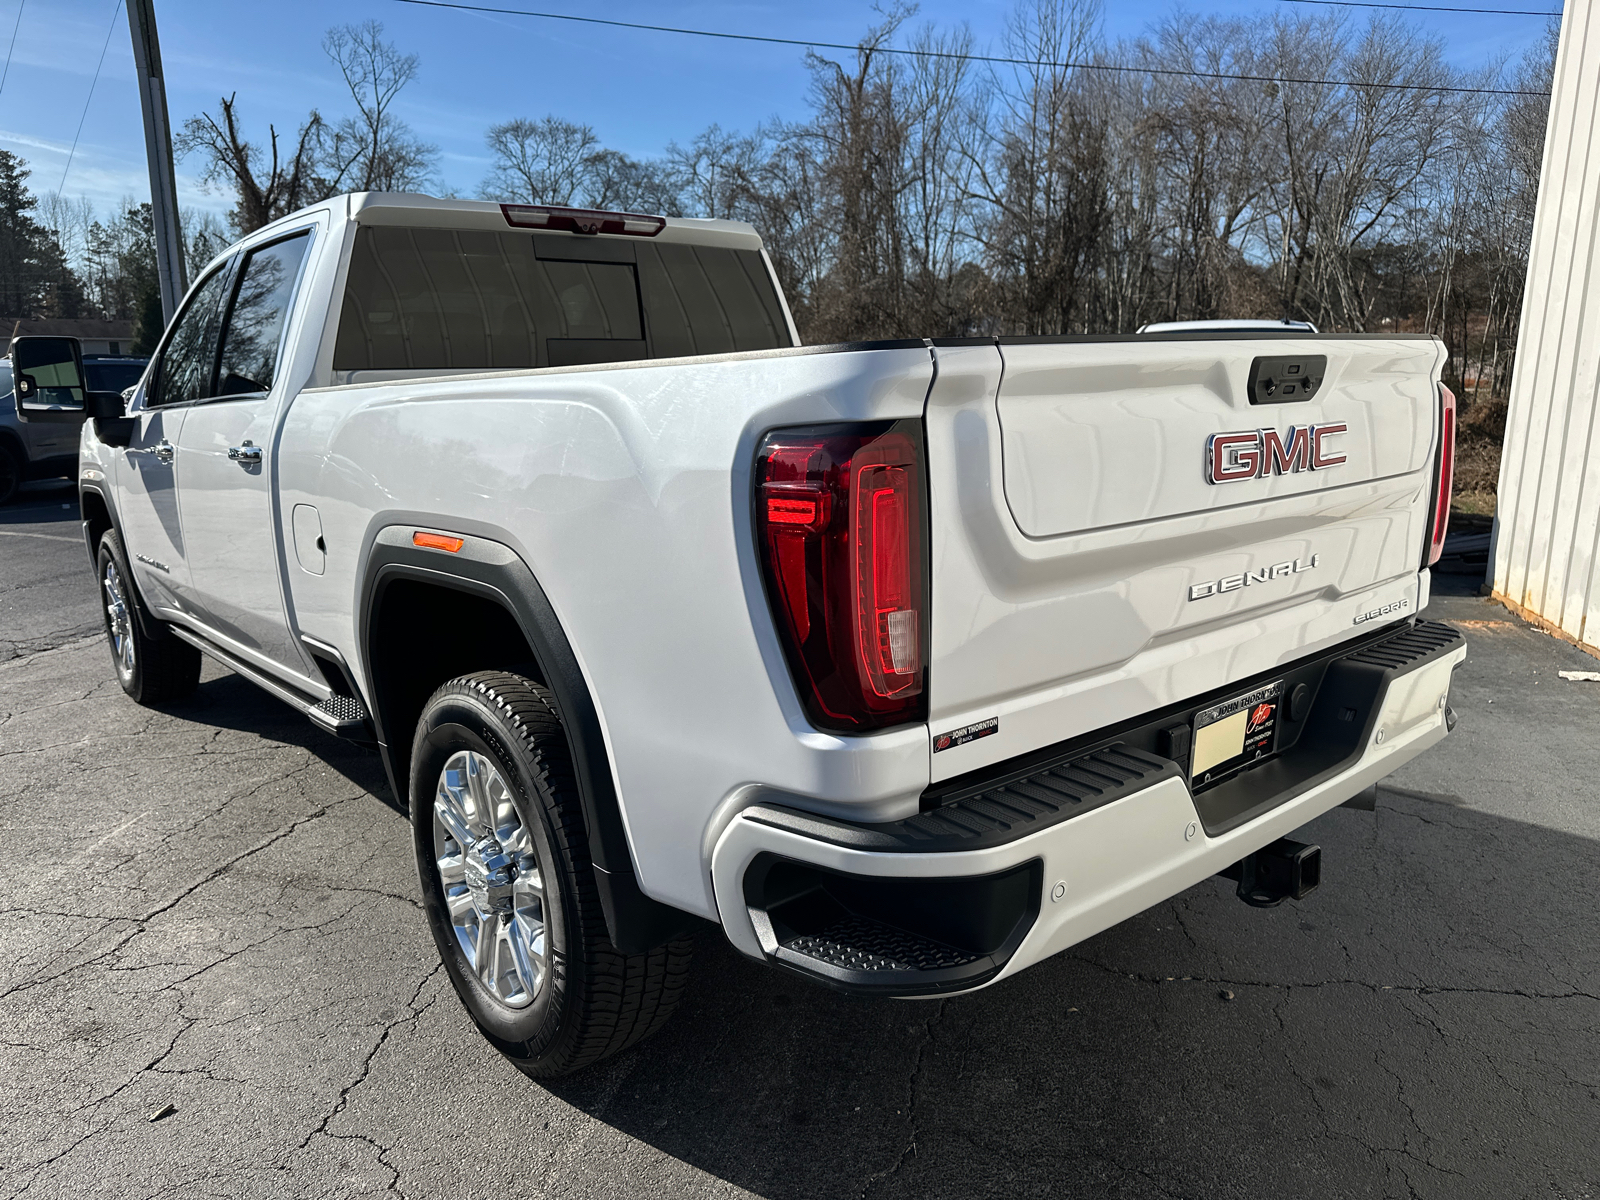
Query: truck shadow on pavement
pixel 1422 1025
pixel 228 701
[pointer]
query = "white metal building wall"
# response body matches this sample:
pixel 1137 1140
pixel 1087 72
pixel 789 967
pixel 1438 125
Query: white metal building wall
pixel 1547 529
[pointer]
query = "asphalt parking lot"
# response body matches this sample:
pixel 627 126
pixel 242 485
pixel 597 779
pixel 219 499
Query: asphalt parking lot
pixel 211 907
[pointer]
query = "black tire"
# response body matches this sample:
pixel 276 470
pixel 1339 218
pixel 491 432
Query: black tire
pixel 592 1001
pixel 11 468
pixel 151 669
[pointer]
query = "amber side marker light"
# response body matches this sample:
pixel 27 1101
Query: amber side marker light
pixel 437 541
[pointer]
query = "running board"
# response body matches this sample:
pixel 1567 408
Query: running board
pixel 342 716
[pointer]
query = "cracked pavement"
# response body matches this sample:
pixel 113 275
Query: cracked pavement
pixel 212 907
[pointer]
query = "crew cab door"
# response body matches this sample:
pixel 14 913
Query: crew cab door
pixel 147 497
pixel 224 468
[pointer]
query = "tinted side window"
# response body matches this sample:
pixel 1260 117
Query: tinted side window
pixel 254 327
pixel 440 299
pixel 187 362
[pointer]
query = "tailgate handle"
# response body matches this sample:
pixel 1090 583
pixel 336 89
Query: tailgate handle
pixel 1286 378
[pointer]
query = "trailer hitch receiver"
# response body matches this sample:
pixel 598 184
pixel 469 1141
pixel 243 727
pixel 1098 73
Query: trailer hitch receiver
pixel 1285 870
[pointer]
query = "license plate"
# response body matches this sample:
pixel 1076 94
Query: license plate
pixel 1235 732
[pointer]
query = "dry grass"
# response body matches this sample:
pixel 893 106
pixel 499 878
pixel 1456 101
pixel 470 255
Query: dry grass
pixel 1478 441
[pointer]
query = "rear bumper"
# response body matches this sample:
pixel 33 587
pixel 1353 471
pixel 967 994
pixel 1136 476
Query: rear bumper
pixel 1124 833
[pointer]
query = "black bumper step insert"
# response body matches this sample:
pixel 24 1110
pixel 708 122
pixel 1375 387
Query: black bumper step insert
pixel 898 937
pixel 1030 800
pixel 859 944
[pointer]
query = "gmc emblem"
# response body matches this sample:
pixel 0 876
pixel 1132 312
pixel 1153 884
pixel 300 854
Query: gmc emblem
pixel 1257 453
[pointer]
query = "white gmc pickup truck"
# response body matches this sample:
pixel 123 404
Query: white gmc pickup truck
pixel 909 664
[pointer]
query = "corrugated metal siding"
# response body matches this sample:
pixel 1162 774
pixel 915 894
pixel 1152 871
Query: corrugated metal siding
pixel 1546 557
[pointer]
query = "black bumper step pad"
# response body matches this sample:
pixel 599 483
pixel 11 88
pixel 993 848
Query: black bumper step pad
pixel 861 944
pixel 1000 812
pixel 1423 641
pixel 891 936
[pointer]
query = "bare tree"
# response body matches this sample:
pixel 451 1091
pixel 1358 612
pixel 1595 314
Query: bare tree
pixel 371 151
pixel 1213 146
pixel 374 150
pixel 1040 166
pixel 710 174
pixel 859 138
pixel 544 161
pixel 266 185
pixel 613 180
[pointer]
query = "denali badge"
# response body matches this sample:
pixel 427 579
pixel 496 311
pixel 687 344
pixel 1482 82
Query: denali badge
pixel 1257 453
pixel 1232 583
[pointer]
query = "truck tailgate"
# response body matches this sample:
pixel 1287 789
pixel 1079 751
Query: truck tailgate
pixel 1097 554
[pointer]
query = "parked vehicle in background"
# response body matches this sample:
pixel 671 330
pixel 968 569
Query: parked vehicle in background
pixel 34 450
pixel 908 664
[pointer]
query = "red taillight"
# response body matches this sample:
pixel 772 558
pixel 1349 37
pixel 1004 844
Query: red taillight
pixel 839 516
pixel 581 220
pixel 1445 475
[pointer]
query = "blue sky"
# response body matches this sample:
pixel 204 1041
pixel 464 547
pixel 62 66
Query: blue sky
pixel 639 90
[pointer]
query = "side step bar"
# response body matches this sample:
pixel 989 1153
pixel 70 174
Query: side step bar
pixel 342 716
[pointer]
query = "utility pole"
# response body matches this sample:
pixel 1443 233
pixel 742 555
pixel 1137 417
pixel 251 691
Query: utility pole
pixel 158 149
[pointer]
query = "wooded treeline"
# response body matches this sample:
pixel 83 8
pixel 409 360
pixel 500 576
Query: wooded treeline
pixel 58 258
pixel 931 195
pixel 1340 180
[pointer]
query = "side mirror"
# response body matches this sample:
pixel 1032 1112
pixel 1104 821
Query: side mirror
pixel 105 409
pixel 48 377
pixel 108 405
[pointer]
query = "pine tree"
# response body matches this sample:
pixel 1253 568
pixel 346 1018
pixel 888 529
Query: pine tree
pixel 35 277
pixel 19 235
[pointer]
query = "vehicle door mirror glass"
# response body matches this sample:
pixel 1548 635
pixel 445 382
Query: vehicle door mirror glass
pixel 48 378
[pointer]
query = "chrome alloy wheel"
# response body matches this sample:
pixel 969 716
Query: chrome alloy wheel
pixel 493 887
pixel 119 619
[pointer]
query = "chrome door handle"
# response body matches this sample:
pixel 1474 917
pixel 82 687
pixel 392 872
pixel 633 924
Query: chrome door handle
pixel 163 451
pixel 247 455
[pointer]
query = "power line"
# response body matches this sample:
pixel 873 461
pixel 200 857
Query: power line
pixel 1423 8
pixel 12 49
pixel 976 58
pixel 114 12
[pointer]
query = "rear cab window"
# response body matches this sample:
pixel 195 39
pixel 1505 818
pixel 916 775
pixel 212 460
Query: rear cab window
pixel 472 300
